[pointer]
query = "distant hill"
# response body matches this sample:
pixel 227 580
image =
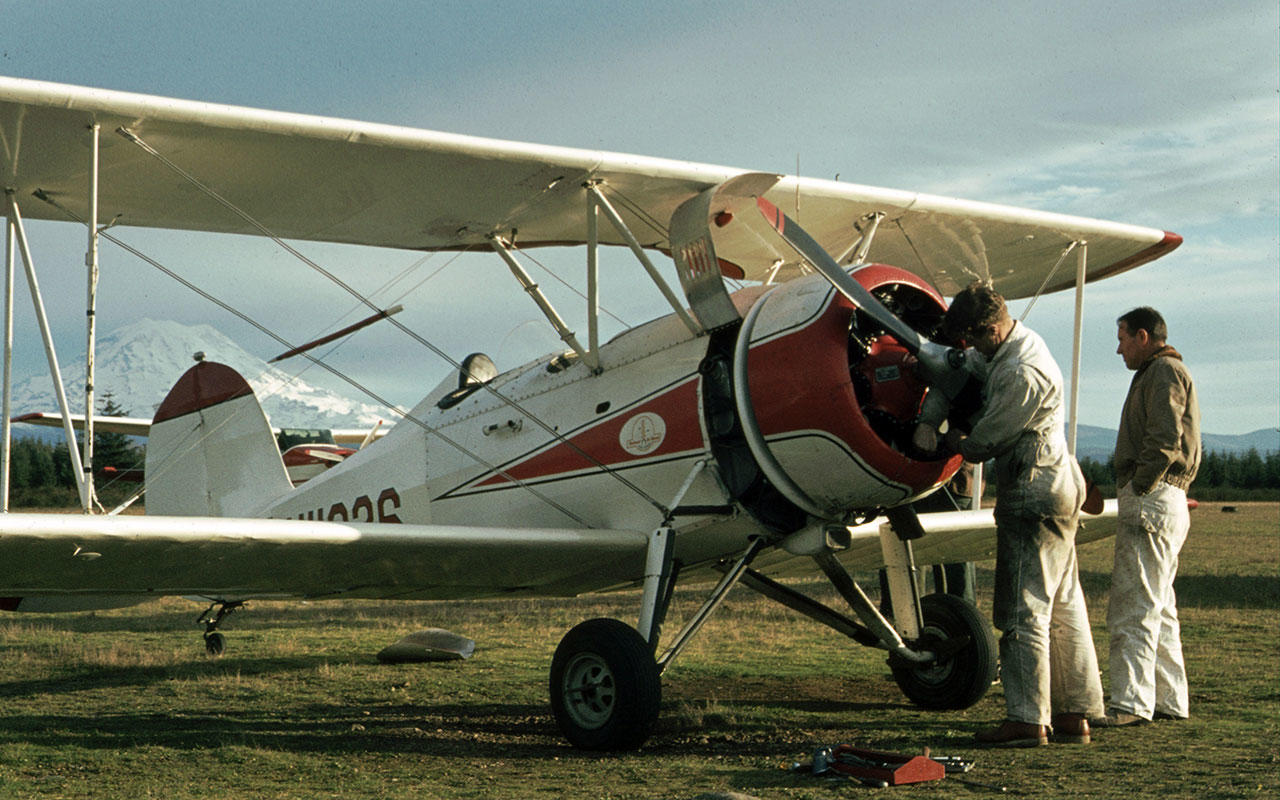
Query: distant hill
pixel 138 363
pixel 1099 443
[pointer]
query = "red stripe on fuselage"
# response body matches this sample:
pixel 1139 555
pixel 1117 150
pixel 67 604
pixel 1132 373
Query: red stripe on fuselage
pixel 678 410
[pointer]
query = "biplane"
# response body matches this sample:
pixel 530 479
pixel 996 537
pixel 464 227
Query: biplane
pixel 760 430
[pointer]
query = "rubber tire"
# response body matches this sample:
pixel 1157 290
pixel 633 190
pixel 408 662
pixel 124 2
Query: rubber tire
pixel 964 678
pixel 617 711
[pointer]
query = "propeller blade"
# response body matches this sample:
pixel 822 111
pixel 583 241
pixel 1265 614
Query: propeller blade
pixel 814 253
pixel 938 361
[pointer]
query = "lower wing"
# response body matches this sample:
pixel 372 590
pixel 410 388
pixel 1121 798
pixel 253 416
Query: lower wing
pixel 57 562
pixel 950 537
pixel 49 555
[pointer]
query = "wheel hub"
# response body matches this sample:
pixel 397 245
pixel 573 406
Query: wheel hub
pixel 589 690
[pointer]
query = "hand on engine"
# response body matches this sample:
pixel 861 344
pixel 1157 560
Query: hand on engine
pixel 925 437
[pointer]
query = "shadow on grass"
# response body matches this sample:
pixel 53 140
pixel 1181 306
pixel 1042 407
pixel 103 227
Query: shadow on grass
pixel 102 677
pixel 472 731
pixel 488 731
pixel 252 617
pixel 1228 591
pixel 773 715
pixel 1206 591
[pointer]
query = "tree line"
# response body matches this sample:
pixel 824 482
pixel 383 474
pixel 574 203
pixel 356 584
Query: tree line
pixel 41 475
pixel 1222 476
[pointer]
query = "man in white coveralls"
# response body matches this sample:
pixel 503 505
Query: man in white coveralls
pixel 1049 666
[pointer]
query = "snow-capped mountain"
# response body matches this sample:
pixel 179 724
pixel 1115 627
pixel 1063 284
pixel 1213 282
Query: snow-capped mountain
pixel 138 363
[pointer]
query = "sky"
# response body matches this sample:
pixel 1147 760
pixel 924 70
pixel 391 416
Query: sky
pixel 1158 114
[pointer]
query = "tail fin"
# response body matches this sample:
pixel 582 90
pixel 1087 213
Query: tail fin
pixel 210 451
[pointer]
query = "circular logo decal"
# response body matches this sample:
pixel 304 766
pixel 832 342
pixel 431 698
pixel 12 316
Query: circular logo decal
pixel 642 434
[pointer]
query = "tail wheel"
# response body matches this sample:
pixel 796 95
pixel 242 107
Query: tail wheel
pixel 961 676
pixel 215 643
pixel 605 686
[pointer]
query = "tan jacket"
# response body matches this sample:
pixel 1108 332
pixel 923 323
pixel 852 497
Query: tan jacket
pixel 1159 437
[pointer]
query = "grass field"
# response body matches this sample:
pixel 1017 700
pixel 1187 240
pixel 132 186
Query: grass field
pixel 125 704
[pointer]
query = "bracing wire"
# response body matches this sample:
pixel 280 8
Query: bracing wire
pixel 317 362
pixel 555 434
pixel 1066 251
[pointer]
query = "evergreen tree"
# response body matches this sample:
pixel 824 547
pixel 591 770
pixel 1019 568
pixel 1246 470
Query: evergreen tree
pixel 42 470
pixel 113 449
pixel 1253 473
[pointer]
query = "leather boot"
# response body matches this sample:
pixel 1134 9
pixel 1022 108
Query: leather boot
pixel 1116 718
pixel 1070 729
pixel 1013 734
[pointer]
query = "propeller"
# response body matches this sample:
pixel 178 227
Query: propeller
pixel 939 363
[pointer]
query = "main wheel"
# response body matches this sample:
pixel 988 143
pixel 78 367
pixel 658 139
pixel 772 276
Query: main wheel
pixel 605 687
pixel 961 676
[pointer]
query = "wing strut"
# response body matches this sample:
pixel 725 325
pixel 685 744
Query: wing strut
pixel 91 312
pixel 1082 262
pixel 625 232
pixel 5 424
pixel 857 252
pixel 15 225
pixel 503 248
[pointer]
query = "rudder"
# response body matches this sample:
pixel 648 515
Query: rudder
pixel 211 451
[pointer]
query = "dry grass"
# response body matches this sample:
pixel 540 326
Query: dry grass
pixel 125 704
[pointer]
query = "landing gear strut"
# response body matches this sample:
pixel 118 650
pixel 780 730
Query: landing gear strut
pixel 214 642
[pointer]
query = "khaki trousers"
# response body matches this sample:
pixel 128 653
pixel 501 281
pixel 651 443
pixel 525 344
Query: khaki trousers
pixel 1147 670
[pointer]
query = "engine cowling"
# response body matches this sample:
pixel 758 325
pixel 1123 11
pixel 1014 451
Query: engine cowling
pixel 827 399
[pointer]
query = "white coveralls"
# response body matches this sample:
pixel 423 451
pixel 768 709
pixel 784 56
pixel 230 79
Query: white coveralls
pixel 1049 665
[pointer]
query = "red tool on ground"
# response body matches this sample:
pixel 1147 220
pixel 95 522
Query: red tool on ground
pixel 893 769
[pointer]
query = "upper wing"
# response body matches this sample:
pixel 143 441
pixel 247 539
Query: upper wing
pixel 327 179
pixel 137 556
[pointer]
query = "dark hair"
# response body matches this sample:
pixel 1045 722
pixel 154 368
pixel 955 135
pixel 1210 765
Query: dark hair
pixel 976 306
pixel 1145 318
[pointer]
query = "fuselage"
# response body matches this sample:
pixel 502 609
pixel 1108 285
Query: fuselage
pixel 552 444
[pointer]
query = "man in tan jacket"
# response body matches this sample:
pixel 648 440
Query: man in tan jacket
pixel 1157 455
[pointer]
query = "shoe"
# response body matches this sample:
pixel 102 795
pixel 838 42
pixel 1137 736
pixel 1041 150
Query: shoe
pixel 1116 718
pixel 1013 734
pixel 1070 729
pixel 1160 716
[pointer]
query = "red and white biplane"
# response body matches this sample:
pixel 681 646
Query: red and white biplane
pixel 752 433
